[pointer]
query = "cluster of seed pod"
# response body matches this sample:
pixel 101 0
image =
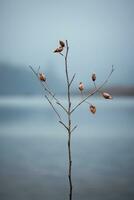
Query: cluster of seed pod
pixel 60 48
pixel 106 95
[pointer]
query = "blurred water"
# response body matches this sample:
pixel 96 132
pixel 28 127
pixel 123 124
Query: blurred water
pixel 33 151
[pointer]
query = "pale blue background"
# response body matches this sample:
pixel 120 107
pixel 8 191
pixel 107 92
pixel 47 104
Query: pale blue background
pixel 100 33
pixel 33 146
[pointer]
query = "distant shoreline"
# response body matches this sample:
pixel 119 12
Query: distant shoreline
pixel 119 91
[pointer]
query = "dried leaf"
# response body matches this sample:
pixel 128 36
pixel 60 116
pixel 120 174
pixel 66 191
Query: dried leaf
pixel 93 109
pixel 81 86
pixel 93 77
pixel 42 77
pixel 58 50
pixel 106 95
pixel 62 44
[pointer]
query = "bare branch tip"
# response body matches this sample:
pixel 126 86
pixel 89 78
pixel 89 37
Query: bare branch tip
pixel 74 128
pixel 72 79
pixel 63 124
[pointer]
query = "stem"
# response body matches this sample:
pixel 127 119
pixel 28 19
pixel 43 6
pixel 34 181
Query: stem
pixel 72 79
pixel 69 124
pixel 95 85
pixel 70 165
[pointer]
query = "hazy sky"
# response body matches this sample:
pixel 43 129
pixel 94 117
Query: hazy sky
pixel 100 33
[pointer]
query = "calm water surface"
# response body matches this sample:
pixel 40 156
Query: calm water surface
pixel 33 151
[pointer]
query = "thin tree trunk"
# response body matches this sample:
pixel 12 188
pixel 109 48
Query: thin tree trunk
pixel 70 165
pixel 69 124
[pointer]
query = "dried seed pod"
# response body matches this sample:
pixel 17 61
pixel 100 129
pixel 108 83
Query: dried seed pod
pixel 42 77
pixel 58 50
pixel 62 44
pixel 81 86
pixel 93 109
pixel 93 77
pixel 106 95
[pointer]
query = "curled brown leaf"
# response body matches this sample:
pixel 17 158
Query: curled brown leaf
pixel 58 50
pixel 42 77
pixel 81 86
pixel 62 44
pixel 93 77
pixel 93 109
pixel 106 95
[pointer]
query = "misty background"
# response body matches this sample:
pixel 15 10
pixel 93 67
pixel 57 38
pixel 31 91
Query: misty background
pixel 33 146
pixel 100 34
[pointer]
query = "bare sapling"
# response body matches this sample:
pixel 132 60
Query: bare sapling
pixel 54 101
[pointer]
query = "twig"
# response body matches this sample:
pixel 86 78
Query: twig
pixel 88 103
pixel 74 128
pixel 53 107
pixel 38 70
pixel 63 124
pixel 62 106
pixel 82 98
pixel 61 54
pixel 72 79
pixel 95 84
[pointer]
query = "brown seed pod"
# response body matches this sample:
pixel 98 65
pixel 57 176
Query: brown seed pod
pixel 62 44
pixel 93 109
pixel 42 77
pixel 81 86
pixel 106 95
pixel 93 77
pixel 58 50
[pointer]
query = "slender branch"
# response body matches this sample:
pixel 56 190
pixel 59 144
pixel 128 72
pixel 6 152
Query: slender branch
pixel 66 67
pixel 85 101
pixel 88 103
pixel 53 107
pixel 36 74
pixel 72 79
pixel 96 90
pixel 67 78
pixel 95 85
pixel 74 128
pixel 46 85
pixel 38 70
pixel 63 124
pixel 62 106
pixel 61 54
